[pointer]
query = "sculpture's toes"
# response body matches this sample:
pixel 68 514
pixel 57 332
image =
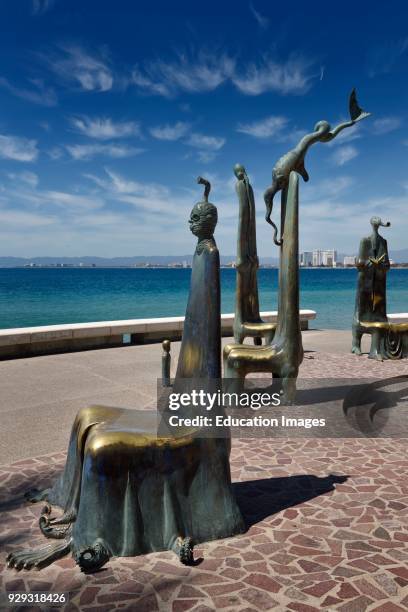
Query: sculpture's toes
pixel 184 549
pixel 57 528
pixel 356 350
pixel 36 495
pixel 38 558
pixel 92 558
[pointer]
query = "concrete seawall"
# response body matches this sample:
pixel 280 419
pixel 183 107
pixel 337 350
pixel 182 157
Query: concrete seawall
pixel 45 340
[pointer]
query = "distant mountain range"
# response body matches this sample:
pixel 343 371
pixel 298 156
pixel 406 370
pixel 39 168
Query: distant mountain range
pixel 400 256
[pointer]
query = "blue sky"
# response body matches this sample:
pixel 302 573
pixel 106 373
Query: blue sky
pixel 110 110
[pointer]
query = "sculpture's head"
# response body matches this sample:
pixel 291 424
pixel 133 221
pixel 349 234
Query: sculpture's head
pixel 376 222
pixel 203 219
pixel 322 126
pixel 240 172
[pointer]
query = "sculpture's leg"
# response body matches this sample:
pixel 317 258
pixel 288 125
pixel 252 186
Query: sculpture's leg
pixel 269 336
pixel 356 343
pixel 234 379
pixel 239 335
pixel 258 340
pixel 276 383
pixel 289 390
pixel 40 557
pixel 92 558
pixel 57 528
pixel 375 350
pixel 184 549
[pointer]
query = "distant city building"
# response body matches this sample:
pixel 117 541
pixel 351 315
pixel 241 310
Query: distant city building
pixel 326 258
pixel 349 260
pixel 306 258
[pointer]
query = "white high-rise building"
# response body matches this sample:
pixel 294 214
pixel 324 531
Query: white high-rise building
pixel 349 260
pixel 306 258
pixel 326 258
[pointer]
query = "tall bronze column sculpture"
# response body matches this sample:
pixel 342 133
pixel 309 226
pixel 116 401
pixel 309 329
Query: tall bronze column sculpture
pixel 126 490
pixel 285 354
pixel 247 320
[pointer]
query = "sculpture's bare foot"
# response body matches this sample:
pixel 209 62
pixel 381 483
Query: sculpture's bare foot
pixel 36 495
pixel 59 527
pixel 356 350
pixel 184 549
pixel 40 557
pixel 92 558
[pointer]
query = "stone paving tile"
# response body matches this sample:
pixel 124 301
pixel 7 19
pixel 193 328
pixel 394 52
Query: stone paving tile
pixel 315 540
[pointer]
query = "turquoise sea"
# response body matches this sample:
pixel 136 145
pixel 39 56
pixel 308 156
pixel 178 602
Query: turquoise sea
pixel 31 297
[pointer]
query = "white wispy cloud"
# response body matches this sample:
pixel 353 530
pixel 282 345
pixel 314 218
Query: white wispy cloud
pixel 193 75
pixel 262 21
pixel 126 186
pixel 70 200
pixel 170 132
pixel 382 58
pixel 28 178
pixel 55 153
pixel 38 93
pixel 342 155
pixel 18 148
pixel 20 220
pixel 292 76
pixel 202 141
pixel 208 146
pixel 385 125
pixel 91 72
pixel 264 128
pixel 88 151
pixel 39 7
pixel 206 71
pixel 104 128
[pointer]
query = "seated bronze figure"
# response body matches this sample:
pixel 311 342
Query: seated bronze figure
pixel 247 320
pixel 388 340
pixel 126 490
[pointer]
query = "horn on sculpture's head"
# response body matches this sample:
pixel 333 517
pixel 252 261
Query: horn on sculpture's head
pixel 207 188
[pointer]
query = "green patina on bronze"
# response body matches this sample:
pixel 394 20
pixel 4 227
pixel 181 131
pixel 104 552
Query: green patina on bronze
pixel 284 355
pixel 294 160
pixel 247 320
pixel 388 340
pixel 126 490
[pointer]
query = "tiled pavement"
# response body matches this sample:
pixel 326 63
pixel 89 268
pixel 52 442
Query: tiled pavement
pixel 327 518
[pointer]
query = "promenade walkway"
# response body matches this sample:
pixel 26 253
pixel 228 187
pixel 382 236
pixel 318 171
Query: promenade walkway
pixel 327 518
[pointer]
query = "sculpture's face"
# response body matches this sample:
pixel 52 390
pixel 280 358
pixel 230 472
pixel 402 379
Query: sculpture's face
pixel 203 220
pixel 376 222
pixel 239 172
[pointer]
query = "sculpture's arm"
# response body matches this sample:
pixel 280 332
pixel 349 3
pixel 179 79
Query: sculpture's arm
pixel 386 261
pixel 308 140
pixel 363 260
pixel 335 131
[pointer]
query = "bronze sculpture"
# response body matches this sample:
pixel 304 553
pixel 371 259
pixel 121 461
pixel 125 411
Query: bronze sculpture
pixel 284 356
pixel 126 490
pixel 247 320
pixel 294 160
pixel 373 264
pixel 388 340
